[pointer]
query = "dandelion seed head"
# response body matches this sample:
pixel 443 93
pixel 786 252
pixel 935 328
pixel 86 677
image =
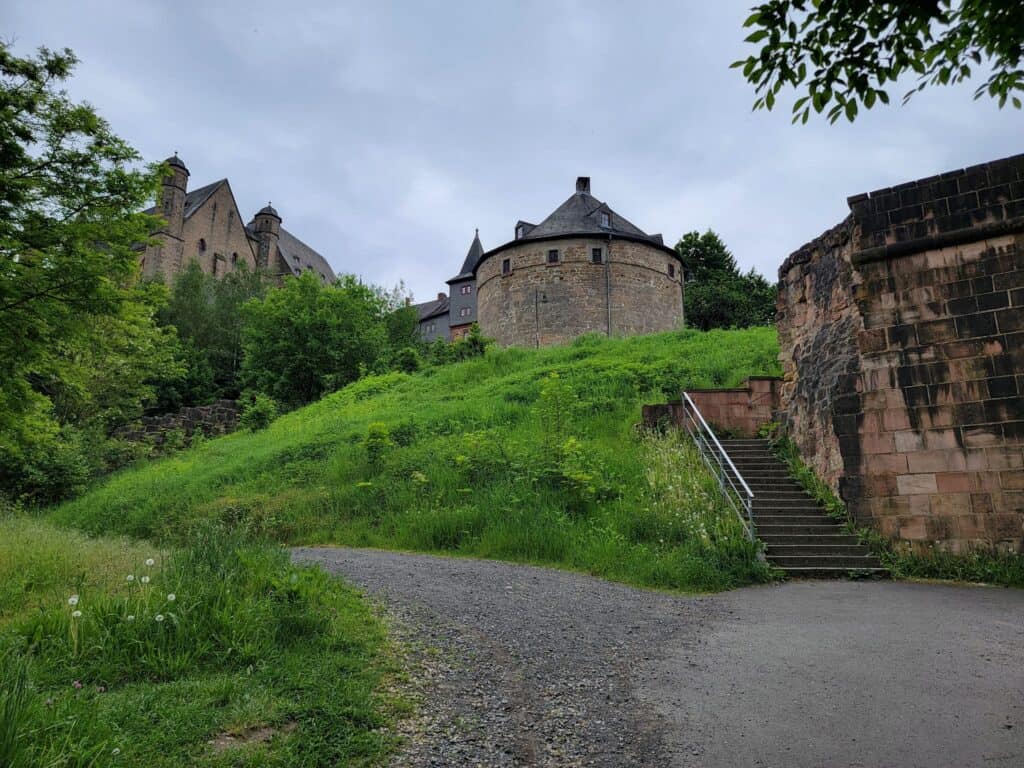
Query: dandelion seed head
pixel 76 614
pixel 159 617
pixel 130 577
pixel 144 579
pixel 171 597
pixel 130 617
pixel 73 600
pixel 150 562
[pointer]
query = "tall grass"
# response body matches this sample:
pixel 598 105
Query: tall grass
pixel 222 636
pixel 485 457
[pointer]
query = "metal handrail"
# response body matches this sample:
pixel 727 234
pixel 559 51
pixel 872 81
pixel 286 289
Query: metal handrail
pixel 713 453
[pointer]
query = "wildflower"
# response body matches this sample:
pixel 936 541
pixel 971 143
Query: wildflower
pixel 131 577
pixel 77 685
pixel 159 617
pixel 149 562
pixel 130 617
pixel 144 579
pixel 76 614
pixel 101 689
pixel 171 597
pixel 73 600
pixel 115 751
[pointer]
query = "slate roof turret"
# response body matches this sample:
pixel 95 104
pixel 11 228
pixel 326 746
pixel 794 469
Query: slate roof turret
pixel 476 250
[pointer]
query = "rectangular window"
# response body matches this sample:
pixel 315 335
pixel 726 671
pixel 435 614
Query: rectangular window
pixel 553 256
pixel 464 312
pixel 506 266
pixel 466 289
pixel 597 255
pixel 671 270
pixel 606 219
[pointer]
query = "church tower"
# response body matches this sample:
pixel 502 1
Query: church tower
pixel 268 232
pixel 166 257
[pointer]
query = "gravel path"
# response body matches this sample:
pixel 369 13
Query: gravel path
pixel 523 666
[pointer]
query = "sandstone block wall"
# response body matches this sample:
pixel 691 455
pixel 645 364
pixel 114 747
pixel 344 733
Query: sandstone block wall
pixel 538 303
pixel 739 412
pixel 902 343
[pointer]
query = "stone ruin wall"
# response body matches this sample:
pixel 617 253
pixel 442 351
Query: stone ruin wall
pixel 218 418
pixel 902 345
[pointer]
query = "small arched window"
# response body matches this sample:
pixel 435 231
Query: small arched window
pixel 202 245
pixel 234 258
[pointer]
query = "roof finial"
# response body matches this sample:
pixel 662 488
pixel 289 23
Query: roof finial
pixel 478 231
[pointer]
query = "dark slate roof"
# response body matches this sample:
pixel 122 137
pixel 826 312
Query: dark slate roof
pixel 176 161
pixel 581 215
pixel 195 198
pixel 299 256
pixel 433 308
pixel 476 250
pixel 268 210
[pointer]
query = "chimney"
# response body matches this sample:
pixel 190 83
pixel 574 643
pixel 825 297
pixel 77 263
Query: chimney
pixel 442 296
pixel 583 184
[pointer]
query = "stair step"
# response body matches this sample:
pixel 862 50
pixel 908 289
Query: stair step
pixel 822 539
pixel 775 520
pixel 766 503
pixel 812 561
pixel 817 550
pixel 834 573
pixel 777 529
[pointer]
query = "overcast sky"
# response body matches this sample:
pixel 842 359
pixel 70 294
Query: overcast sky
pixel 384 133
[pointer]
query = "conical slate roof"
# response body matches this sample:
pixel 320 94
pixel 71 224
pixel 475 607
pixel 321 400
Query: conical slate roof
pixel 582 214
pixel 476 250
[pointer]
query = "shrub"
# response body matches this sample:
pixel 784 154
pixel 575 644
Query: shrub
pixel 377 443
pixel 258 413
pixel 408 360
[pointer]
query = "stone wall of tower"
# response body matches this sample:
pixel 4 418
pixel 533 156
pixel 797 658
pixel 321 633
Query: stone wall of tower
pixel 635 290
pixel 164 256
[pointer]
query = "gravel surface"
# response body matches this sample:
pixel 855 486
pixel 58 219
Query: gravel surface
pixel 523 666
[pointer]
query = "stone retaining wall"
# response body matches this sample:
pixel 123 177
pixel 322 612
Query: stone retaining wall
pixel 218 418
pixel 902 344
pixel 739 412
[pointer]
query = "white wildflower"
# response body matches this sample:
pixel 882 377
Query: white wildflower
pixel 144 579
pixel 159 617
pixel 130 577
pixel 73 600
pixel 76 614
pixel 149 562
pixel 171 597
pixel 115 751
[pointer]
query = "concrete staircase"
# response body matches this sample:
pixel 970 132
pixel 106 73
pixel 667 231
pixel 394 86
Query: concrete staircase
pixel 799 536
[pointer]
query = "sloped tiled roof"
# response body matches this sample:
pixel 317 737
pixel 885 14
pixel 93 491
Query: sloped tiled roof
pixel 433 308
pixel 476 250
pixel 299 256
pixel 581 214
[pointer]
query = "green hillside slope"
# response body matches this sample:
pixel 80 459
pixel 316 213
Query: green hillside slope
pixel 494 457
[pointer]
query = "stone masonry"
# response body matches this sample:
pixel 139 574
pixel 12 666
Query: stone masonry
pixel 902 345
pixel 218 418
pixel 739 412
pixel 536 303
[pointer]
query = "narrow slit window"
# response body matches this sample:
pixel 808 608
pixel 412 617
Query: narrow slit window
pixel 506 266
pixel 671 270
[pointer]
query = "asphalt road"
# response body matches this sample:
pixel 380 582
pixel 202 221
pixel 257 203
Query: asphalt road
pixel 517 665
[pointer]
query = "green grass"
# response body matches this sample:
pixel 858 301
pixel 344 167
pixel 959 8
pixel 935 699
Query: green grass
pixel 986 566
pixel 249 644
pixel 491 457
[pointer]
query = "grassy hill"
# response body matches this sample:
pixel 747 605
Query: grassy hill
pixel 527 455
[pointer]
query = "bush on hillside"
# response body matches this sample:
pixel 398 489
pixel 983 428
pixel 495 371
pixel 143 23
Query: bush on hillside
pixel 257 413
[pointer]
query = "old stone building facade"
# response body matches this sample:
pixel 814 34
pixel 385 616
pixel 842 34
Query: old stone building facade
pixel 205 226
pixel 451 315
pixel 902 343
pixel 583 269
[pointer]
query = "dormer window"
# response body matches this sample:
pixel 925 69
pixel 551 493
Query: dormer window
pixel 606 219
pixel 520 231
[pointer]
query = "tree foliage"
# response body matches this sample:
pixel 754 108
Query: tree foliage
pixel 717 294
pixel 306 339
pixel 78 344
pixel 843 54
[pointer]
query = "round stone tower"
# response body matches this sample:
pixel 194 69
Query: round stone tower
pixel 584 269
pixel 268 231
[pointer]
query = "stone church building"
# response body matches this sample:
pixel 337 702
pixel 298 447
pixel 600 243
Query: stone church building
pixel 206 226
pixel 583 269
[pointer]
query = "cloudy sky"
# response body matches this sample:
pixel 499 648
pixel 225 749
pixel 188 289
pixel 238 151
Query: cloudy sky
pixel 384 133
